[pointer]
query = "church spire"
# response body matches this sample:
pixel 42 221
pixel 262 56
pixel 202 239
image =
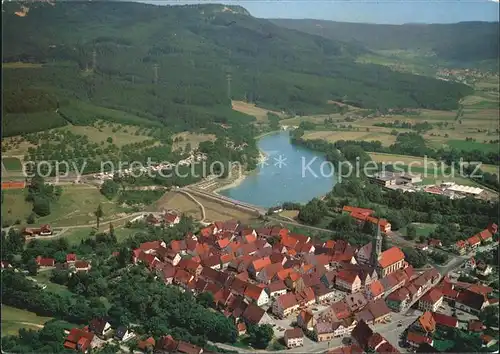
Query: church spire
pixel 377 247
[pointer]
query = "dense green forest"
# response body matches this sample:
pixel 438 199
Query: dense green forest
pixel 171 64
pixel 456 42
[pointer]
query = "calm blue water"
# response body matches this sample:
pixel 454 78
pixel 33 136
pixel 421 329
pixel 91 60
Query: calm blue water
pixel 273 184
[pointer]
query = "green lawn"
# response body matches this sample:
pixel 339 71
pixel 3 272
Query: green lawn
pixel 12 164
pixel 13 319
pixel 75 236
pixel 423 229
pixel 472 145
pixel 44 278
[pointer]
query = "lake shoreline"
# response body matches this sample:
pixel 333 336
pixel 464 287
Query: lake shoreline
pixel 262 157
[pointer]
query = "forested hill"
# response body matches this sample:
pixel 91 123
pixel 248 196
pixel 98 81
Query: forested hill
pixel 190 50
pixel 463 42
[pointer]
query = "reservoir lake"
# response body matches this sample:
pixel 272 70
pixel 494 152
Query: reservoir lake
pixel 290 174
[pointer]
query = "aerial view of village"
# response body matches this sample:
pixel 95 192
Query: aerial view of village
pixel 208 178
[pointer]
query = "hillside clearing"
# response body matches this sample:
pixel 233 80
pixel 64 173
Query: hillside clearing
pixel 252 110
pixel 13 319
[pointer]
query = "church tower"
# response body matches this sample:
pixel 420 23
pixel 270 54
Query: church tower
pixel 376 247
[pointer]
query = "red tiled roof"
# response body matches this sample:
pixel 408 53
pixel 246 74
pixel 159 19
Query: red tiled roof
pixel 144 344
pixel 376 288
pixel 170 218
pixel 45 262
pixel 253 313
pixel 474 240
pixel 294 333
pixel 70 257
pixel 427 321
pixel 80 337
pixel 287 300
pixel 351 349
pixel 432 296
pixel 391 256
pixel 253 291
pixel 146 246
pixel 347 276
pixel 461 244
pixel 445 320
pixel 485 235
pixel 261 263
pixel 418 338
pixel 352 209
pixel 82 264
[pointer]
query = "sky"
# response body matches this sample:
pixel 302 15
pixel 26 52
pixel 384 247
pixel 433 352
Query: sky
pixel 370 11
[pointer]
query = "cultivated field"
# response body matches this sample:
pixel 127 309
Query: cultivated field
pixel 332 136
pixel 13 319
pixel 404 159
pixel 252 110
pixel 11 164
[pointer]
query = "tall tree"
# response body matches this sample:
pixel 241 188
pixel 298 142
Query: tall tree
pixel 99 214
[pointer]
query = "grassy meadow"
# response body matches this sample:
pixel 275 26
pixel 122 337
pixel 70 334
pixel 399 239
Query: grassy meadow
pixel 13 319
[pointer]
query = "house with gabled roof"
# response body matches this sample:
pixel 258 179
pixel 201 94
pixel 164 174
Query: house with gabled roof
pixel 431 301
pixel 171 219
pixel 471 302
pixel 100 326
pixel 445 321
pixel 348 280
pixel 416 339
pixel 460 247
pixel 268 273
pixel 80 340
pixel 45 262
pixel 285 305
pixel 474 242
pixel 425 323
pixel 374 290
pixel 82 266
pixel 123 334
pixel 256 315
pixel 256 294
pixel 277 288
pixel 258 265
pixel 70 258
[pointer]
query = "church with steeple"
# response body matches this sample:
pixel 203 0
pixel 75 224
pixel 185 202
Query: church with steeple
pixel 385 262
